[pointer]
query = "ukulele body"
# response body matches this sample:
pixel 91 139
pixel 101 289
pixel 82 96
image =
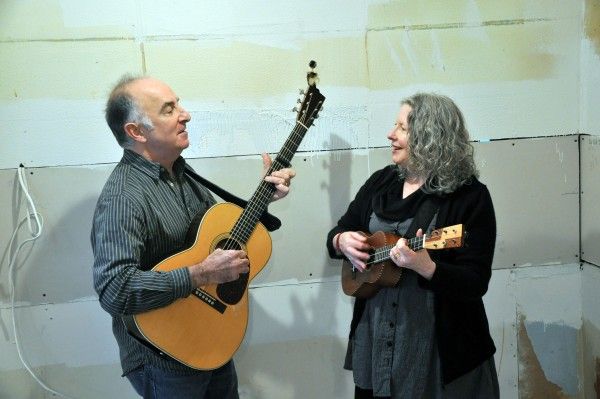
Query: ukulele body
pixel 380 274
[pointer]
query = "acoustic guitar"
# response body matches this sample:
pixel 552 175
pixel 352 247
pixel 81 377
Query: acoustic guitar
pixel 381 271
pixel 204 330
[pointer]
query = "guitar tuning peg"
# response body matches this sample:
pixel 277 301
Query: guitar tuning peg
pixel 301 92
pixel 298 101
pixel 295 109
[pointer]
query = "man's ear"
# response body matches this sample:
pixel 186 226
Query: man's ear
pixel 134 132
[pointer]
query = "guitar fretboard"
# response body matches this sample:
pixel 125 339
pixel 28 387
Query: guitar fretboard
pixel 258 203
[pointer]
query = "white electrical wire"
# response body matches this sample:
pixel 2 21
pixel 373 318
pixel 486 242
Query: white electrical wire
pixel 35 230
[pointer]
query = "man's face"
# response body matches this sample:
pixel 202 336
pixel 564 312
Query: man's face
pixel 158 101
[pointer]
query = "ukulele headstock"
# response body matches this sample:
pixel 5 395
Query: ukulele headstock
pixel 445 237
pixel 309 106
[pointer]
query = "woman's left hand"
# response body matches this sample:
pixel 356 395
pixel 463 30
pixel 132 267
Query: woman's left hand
pixel 419 261
pixel 281 179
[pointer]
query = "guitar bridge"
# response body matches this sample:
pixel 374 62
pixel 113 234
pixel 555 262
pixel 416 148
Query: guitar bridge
pixel 210 300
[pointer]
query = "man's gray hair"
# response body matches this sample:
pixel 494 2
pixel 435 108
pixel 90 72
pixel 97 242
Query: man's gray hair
pixel 122 108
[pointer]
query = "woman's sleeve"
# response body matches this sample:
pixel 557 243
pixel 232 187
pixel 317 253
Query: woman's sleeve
pixel 464 273
pixel 353 219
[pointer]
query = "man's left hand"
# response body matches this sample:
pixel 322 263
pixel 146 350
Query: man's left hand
pixel 281 179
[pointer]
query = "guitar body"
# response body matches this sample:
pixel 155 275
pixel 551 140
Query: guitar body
pixel 197 331
pixel 382 274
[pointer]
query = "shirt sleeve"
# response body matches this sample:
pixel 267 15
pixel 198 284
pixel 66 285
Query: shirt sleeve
pixel 354 218
pixel 464 273
pixel 118 236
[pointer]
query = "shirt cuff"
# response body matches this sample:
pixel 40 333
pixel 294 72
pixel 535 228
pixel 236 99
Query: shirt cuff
pixel 182 282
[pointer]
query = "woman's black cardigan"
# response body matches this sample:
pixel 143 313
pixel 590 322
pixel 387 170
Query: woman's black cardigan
pixel 462 275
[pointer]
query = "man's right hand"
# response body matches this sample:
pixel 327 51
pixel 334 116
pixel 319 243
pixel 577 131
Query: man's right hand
pixel 220 266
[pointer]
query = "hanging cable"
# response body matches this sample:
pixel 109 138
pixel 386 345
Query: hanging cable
pixel 35 223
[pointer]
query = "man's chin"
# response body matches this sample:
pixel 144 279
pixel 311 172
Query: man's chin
pixel 184 141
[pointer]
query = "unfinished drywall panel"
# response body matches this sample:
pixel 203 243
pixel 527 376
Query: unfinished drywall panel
pixel 453 13
pixel 246 90
pixel 590 68
pixel 52 98
pixel 296 343
pixel 66 345
pixel 590 192
pixel 65 198
pixel 591 329
pixel 252 18
pixel 550 334
pixel 497 74
pixel 534 184
pixel 66 20
pixel 500 304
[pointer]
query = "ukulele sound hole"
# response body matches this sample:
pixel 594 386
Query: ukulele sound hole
pixel 233 291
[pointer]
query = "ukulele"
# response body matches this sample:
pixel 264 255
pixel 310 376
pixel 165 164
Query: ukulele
pixel 381 271
pixel 204 330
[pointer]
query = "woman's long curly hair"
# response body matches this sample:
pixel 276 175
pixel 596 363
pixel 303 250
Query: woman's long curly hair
pixel 439 147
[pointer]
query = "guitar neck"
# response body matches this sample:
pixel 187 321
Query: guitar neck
pixel 259 202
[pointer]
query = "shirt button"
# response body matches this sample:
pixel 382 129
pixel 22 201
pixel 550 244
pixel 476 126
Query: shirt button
pixel 389 344
pixel 394 304
pixel 391 324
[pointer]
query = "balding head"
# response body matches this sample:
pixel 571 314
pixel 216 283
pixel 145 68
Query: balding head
pixel 123 107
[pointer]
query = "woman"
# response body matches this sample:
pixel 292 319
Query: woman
pixel 427 337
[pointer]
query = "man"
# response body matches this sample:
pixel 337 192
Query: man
pixel 142 216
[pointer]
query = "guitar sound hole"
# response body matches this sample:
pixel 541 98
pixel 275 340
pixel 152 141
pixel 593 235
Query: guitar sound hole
pixel 233 291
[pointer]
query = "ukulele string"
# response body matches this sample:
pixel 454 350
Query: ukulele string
pixel 383 253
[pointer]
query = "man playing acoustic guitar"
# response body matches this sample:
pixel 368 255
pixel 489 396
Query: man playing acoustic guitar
pixel 142 216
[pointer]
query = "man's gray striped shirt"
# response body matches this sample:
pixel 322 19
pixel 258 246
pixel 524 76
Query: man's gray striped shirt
pixel 142 216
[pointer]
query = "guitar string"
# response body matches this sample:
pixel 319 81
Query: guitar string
pixel 263 194
pixel 264 191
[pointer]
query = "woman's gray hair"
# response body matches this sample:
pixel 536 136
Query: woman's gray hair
pixel 439 146
pixel 122 108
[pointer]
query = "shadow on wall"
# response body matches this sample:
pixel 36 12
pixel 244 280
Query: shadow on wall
pixel 307 365
pixel 60 269
pixel 57 315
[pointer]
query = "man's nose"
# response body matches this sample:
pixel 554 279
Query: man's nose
pixel 184 115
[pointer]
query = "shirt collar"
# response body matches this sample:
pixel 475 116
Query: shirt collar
pixel 151 168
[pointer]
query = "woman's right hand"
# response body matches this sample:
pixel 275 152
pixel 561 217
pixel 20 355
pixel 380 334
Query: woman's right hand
pixel 354 246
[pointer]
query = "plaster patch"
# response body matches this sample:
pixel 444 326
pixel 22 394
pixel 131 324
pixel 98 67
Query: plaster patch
pixel 592 23
pixel 533 381
pixel 455 55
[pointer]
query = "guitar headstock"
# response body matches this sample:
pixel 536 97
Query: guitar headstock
pixel 444 238
pixel 309 107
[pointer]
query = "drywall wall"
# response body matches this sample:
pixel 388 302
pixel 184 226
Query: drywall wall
pixel 518 69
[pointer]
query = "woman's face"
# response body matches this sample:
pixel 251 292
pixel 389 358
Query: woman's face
pixel 399 136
